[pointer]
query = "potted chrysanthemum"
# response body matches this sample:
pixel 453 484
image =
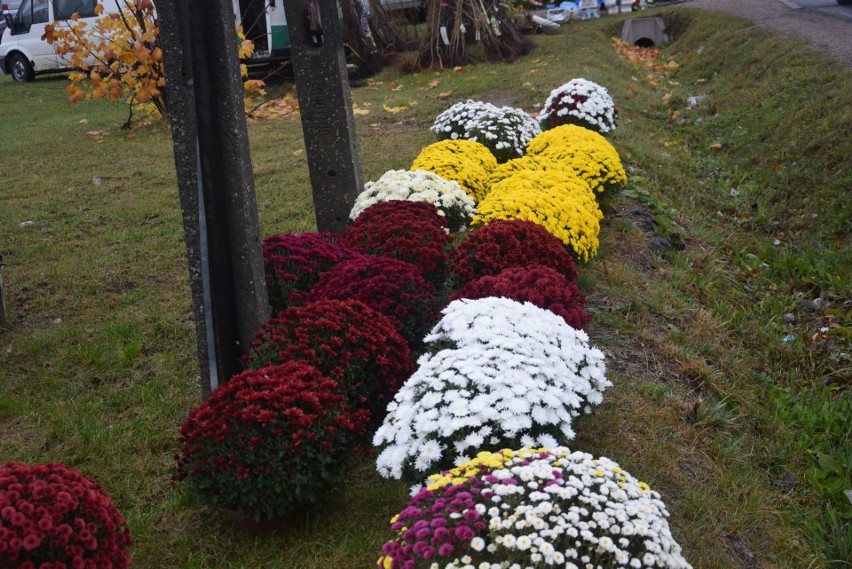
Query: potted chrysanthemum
pixel 498 373
pixel 267 442
pixel 546 507
pixel 580 102
pixel 53 516
pixel 505 131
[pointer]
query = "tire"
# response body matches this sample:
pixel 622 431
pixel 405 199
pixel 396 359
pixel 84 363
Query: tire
pixel 20 68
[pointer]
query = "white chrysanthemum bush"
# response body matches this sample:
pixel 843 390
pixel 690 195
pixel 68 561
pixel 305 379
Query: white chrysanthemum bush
pixel 505 131
pixel 533 508
pixel 580 102
pixel 447 196
pixel 499 373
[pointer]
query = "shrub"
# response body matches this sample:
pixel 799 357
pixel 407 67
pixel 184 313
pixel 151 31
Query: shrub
pixel 293 264
pixel 505 131
pixel 346 341
pixel 408 231
pixel 268 441
pixel 389 286
pixel 541 286
pixel 502 244
pixel 533 508
pixel 464 161
pixel 559 202
pixel 420 186
pixel 580 102
pixel 52 516
pixel 585 153
pixel 498 373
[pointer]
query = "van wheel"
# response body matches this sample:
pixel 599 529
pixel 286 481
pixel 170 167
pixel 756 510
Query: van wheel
pixel 20 68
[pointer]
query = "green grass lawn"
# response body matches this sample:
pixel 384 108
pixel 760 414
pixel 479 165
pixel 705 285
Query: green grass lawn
pixel 746 436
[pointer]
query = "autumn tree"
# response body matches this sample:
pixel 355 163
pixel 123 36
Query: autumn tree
pixel 119 58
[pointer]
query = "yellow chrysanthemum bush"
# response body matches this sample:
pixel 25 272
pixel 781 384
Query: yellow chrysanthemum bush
pixel 534 163
pixel 559 201
pixel 586 153
pixel 464 161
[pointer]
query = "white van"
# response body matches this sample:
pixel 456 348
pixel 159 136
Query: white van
pixel 23 53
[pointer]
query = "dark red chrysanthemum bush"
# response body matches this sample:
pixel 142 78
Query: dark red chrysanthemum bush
pixel 293 263
pixel 409 231
pixel 500 245
pixel 536 284
pixel 389 286
pixel 345 340
pixel 268 440
pixel 53 517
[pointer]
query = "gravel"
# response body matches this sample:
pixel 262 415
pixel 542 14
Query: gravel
pixel 828 34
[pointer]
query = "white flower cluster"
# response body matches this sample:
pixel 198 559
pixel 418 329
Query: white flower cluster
pixel 506 131
pixel 569 509
pixel 419 186
pixel 510 374
pixel 583 100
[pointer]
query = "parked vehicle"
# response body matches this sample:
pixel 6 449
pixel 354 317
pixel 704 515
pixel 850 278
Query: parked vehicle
pixel 23 52
pixel 10 7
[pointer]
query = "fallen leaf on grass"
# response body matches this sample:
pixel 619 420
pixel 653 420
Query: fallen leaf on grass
pixel 667 97
pixel 360 112
pixel 394 110
pixel 458 69
pixel 716 146
pixel 84 121
pixel 445 94
pixel 394 87
pixel 433 84
pixel 536 70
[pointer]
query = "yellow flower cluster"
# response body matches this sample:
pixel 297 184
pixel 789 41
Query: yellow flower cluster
pixel 464 161
pixel 559 201
pixel 537 163
pixel 460 474
pixel 585 152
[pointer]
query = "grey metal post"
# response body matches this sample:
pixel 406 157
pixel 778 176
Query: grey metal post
pixel 215 181
pixel 322 86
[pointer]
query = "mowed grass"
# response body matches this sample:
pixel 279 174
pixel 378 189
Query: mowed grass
pixel 709 406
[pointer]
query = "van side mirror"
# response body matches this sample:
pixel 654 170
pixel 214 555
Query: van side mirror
pixel 10 22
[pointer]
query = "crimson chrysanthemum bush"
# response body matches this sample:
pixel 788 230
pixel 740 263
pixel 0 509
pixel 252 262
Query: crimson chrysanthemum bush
pixel 408 231
pixel 542 286
pixel 345 340
pixel 500 245
pixel 52 516
pixel 268 440
pixel 390 286
pixel 293 263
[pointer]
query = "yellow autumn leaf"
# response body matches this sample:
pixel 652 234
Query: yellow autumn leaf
pixel 445 94
pixel 394 110
pixel 360 112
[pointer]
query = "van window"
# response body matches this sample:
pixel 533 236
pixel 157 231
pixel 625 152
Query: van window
pixel 32 12
pixel 64 9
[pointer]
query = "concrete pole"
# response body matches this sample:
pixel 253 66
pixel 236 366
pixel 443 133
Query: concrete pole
pixel 215 181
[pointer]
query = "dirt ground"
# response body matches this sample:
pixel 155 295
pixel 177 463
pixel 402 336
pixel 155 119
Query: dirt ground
pixel 831 35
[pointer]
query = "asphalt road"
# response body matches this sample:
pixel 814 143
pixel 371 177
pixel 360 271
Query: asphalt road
pixel 826 7
pixel 823 23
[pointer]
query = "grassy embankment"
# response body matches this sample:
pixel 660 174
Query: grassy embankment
pixel 742 432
